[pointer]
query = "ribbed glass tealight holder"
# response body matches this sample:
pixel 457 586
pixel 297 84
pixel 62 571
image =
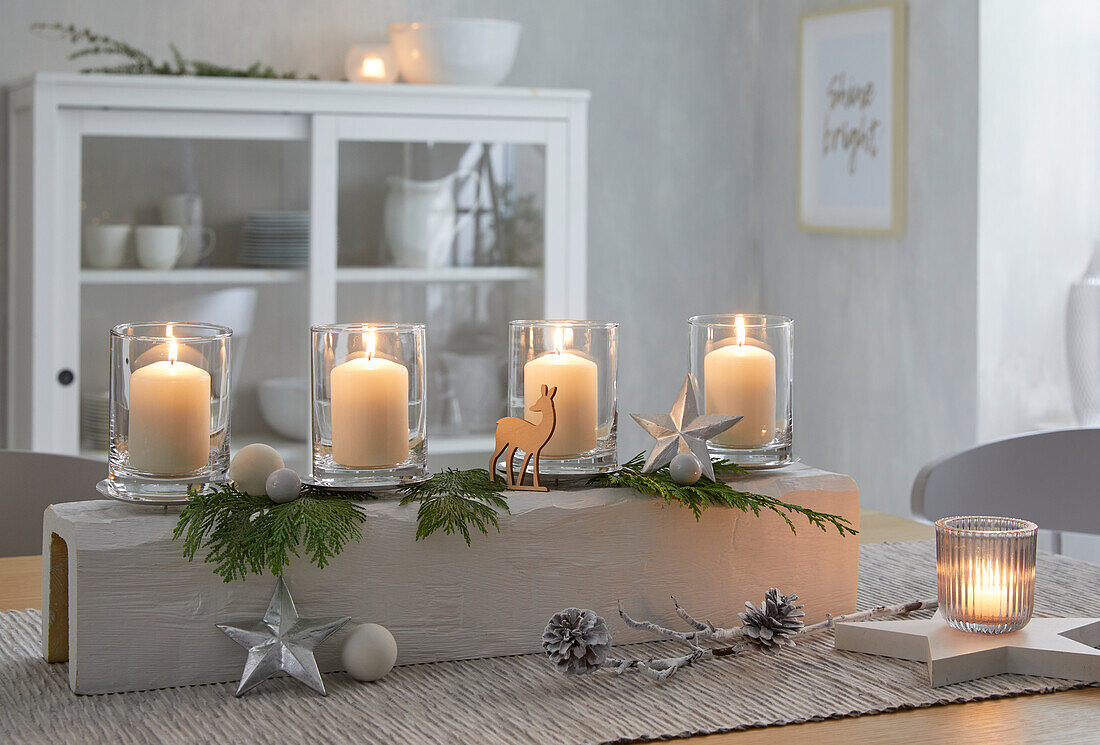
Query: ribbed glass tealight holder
pixel 985 571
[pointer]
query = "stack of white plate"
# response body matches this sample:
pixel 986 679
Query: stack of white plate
pixel 275 239
pixel 94 420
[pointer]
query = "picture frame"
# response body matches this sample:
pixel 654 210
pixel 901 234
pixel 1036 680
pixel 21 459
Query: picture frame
pixel 851 120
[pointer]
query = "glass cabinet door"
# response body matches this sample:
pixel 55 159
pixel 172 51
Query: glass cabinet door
pixel 451 234
pixel 191 229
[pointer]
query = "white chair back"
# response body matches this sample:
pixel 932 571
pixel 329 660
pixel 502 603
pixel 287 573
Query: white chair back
pixel 1051 478
pixel 31 483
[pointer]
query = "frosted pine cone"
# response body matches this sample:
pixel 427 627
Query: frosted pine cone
pixel 771 626
pixel 576 640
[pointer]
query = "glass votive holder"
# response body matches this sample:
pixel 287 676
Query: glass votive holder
pixel 985 572
pixel 169 408
pixel 742 364
pixel 578 360
pixel 369 404
pixel 373 63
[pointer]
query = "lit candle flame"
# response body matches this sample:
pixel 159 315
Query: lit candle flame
pixel 563 337
pixel 173 348
pixel 369 343
pixel 739 324
pixel 374 67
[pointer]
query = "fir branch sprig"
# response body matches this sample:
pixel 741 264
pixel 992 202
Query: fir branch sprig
pixel 244 534
pixel 138 62
pixel 456 501
pixel 706 493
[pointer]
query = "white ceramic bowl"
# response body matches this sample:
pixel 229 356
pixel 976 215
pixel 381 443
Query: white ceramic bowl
pixel 284 405
pixel 455 51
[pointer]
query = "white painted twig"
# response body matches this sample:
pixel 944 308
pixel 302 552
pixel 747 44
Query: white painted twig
pixel 879 611
pixel 665 667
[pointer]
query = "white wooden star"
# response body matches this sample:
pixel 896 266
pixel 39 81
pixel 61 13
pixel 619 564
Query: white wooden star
pixel 1050 647
pixel 282 642
pixel 682 430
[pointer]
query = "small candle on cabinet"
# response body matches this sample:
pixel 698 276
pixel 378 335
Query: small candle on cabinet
pixel 575 403
pixel 371 64
pixel 739 379
pixel 370 410
pixel 169 415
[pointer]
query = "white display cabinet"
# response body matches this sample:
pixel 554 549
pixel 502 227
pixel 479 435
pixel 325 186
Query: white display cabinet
pixel 327 202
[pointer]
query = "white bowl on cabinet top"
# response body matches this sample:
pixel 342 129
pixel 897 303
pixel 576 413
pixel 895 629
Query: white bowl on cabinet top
pixel 455 51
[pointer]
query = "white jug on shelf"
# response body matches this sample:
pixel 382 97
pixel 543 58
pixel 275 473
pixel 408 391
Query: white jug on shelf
pixel 420 220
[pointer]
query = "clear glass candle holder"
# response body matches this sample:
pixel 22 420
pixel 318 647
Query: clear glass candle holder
pixel 985 572
pixel 169 404
pixel 742 364
pixel 369 404
pixel 579 361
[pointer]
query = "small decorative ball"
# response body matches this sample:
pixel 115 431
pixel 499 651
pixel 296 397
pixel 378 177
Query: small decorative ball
pixel 685 468
pixel 368 652
pixel 251 467
pixel 283 485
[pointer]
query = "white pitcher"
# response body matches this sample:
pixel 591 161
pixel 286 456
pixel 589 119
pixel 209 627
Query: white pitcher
pixel 420 220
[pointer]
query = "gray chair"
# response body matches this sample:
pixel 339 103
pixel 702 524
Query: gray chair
pixel 34 481
pixel 1051 478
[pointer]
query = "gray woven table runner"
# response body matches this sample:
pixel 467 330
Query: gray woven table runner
pixel 520 699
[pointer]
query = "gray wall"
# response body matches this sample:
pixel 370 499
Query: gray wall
pixel 885 330
pixel 670 118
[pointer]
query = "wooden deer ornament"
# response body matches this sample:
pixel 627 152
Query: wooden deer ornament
pixel 514 434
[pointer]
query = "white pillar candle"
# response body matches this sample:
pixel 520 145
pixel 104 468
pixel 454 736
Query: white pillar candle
pixel 739 379
pixel 169 416
pixel 575 402
pixel 370 410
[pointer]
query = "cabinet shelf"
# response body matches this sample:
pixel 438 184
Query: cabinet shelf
pixel 214 275
pixel 348 275
pixel 296 453
pixel 382 274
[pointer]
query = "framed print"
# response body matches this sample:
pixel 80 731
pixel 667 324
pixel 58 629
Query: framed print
pixel 851 141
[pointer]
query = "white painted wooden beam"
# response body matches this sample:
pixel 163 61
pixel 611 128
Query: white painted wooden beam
pixel 140 616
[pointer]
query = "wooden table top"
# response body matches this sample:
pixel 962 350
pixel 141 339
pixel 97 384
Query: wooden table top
pixel 1052 719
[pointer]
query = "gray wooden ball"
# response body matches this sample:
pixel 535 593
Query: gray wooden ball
pixel 283 485
pixel 369 651
pixel 685 468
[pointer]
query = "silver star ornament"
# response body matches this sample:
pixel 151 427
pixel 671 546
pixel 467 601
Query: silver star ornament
pixel 282 642
pixel 683 430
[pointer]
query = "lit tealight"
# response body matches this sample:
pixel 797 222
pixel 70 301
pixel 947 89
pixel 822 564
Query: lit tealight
pixel 371 64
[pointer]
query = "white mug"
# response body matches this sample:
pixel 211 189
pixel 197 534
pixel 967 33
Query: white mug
pixel 158 246
pixel 185 210
pixel 105 245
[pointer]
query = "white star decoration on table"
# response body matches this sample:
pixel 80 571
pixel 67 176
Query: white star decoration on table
pixel 683 430
pixel 1050 647
pixel 282 642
